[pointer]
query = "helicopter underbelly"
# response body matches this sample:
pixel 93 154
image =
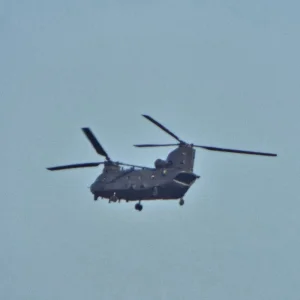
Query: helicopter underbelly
pixel 146 194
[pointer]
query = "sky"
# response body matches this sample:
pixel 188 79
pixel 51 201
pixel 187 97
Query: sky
pixel 220 73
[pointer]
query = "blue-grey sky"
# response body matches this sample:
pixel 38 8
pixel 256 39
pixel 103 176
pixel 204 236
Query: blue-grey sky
pixel 222 73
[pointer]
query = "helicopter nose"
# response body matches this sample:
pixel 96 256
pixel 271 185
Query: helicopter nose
pixel 92 188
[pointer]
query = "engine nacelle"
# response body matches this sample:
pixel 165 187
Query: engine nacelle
pixel 160 163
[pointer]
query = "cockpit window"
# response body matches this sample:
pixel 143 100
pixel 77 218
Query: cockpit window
pixel 101 178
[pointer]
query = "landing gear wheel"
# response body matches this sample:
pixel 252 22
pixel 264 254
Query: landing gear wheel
pixel 113 198
pixel 181 202
pixel 139 206
pixel 96 197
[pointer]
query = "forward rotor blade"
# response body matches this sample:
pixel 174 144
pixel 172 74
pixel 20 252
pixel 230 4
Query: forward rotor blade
pixel 156 145
pixel 235 151
pixel 74 166
pixel 129 165
pixel 99 149
pixel 163 128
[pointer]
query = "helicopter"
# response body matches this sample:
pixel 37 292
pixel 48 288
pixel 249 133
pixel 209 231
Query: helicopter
pixel 169 179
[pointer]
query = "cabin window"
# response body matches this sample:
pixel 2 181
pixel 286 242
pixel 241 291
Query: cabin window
pixel 182 162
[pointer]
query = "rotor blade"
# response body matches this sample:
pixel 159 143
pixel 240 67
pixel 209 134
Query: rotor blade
pixel 235 151
pixel 163 128
pixel 156 145
pixel 129 165
pixel 99 149
pixel 74 166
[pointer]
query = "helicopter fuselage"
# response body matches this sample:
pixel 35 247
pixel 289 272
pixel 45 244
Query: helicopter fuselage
pixel 148 184
pixel 170 179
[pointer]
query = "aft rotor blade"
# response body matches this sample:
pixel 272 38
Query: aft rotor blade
pixel 235 151
pixel 99 149
pixel 156 145
pixel 74 166
pixel 163 128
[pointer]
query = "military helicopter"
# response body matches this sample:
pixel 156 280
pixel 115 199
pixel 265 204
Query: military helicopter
pixel 170 179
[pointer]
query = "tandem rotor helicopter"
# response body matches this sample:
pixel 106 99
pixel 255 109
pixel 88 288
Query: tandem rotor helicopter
pixel 170 179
